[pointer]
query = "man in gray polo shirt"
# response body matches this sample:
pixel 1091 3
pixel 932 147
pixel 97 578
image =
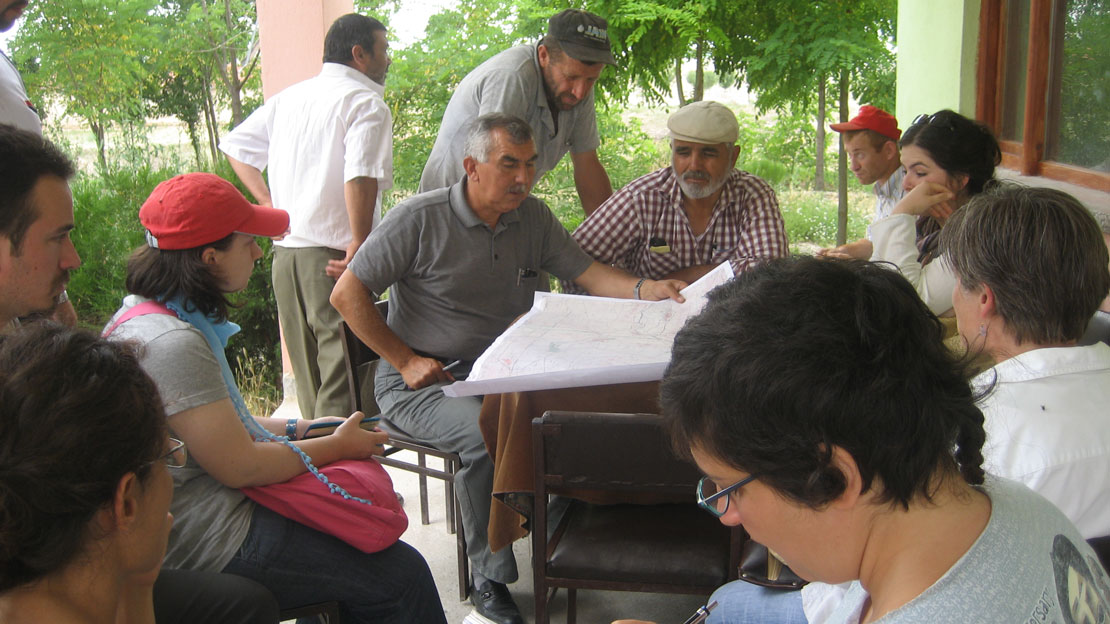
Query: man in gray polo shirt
pixel 461 263
pixel 551 86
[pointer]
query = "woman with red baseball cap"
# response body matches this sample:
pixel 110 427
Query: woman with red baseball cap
pixel 200 248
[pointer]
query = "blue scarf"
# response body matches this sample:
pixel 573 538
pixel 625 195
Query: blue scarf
pixel 217 333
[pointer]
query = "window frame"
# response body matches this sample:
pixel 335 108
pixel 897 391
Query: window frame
pixel 1027 155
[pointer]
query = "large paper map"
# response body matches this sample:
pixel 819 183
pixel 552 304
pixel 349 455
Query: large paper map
pixel 566 341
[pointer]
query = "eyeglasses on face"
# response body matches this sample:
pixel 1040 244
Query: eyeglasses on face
pixel 177 455
pixel 715 500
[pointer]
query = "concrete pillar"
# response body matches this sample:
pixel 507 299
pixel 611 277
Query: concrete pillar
pixel 291 33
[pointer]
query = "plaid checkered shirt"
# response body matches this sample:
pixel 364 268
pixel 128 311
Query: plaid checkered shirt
pixel 643 229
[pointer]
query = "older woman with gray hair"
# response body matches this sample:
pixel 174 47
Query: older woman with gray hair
pixel 1031 269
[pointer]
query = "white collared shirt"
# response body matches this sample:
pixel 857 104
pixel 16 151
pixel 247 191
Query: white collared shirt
pixel 15 106
pixel 313 137
pixel 889 193
pixel 1048 426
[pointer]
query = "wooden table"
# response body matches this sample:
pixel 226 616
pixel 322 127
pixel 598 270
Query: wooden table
pixel 506 424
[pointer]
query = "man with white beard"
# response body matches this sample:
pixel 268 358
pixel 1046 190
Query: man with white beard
pixel 682 221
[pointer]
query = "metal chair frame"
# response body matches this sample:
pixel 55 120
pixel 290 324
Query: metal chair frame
pixel 355 354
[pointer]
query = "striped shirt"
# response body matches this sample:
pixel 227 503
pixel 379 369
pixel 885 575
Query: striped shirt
pixel 643 229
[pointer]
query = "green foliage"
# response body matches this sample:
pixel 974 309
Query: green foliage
pixel 810 218
pixel 785 46
pixel 89 57
pixel 709 78
pixel 1084 134
pixel 650 36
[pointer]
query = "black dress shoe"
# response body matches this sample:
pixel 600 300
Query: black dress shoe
pixel 493 602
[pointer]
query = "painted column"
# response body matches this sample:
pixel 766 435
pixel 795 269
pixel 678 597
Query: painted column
pixel 291 33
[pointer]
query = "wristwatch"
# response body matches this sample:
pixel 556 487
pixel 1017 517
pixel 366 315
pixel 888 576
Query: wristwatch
pixel 291 428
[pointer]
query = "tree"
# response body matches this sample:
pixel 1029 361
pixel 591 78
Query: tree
pixel 651 38
pixel 789 49
pixel 91 57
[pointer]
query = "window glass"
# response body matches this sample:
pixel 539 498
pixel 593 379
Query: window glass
pixel 1078 129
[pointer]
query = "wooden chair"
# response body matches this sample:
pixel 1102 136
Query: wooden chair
pixel 361 362
pixel 671 548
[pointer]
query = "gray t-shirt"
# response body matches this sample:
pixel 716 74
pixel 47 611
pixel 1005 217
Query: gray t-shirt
pixel 454 283
pixel 1029 565
pixel 211 520
pixel 510 82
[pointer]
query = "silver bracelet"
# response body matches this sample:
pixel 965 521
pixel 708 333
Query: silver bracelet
pixel 636 290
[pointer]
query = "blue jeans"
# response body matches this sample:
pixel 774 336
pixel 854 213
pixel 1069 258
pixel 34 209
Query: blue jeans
pixel 741 602
pixel 303 566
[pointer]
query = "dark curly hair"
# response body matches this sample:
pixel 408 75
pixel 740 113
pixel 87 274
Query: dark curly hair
pixel 959 145
pixel 77 414
pixel 800 355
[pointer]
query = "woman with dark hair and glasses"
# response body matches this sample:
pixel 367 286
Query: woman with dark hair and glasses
pixel 84 482
pixel 849 442
pixel 948 159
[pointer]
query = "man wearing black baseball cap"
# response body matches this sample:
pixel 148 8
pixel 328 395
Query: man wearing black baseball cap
pixel 549 84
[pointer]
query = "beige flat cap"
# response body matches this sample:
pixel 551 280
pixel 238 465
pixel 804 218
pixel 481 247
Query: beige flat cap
pixel 704 122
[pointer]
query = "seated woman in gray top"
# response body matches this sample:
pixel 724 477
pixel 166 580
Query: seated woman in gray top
pixel 84 483
pixel 201 248
pixel 948 159
pixel 845 437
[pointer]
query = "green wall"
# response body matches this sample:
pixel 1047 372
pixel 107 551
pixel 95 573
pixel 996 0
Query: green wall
pixel 937 49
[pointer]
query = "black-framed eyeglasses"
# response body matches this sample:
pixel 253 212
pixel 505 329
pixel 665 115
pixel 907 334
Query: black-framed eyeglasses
pixel 177 455
pixel 715 500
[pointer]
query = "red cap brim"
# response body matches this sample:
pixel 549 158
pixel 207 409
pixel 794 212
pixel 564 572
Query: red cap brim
pixel 265 221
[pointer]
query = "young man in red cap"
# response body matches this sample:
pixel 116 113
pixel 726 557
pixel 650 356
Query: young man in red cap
pixel 871 140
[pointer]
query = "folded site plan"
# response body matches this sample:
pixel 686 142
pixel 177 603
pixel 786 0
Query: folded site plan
pixel 567 341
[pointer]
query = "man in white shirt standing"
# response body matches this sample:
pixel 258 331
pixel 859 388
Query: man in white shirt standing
pixel 328 145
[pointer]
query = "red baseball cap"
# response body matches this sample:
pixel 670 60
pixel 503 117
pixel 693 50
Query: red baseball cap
pixel 195 209
pixel 871 118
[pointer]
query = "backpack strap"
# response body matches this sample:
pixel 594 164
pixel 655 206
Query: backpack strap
pixel 142 309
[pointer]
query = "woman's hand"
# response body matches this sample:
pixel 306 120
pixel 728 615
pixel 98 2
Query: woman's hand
pixel 358 443
pixel 928 198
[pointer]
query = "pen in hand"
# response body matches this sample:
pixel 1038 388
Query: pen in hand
pixel 701 613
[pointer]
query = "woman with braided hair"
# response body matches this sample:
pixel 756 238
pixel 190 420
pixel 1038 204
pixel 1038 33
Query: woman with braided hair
pixel 832 423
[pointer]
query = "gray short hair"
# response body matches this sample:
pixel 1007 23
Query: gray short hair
pixel 479 137
pixel 1039 250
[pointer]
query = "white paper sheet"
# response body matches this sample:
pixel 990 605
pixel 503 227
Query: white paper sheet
pixel 568 341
